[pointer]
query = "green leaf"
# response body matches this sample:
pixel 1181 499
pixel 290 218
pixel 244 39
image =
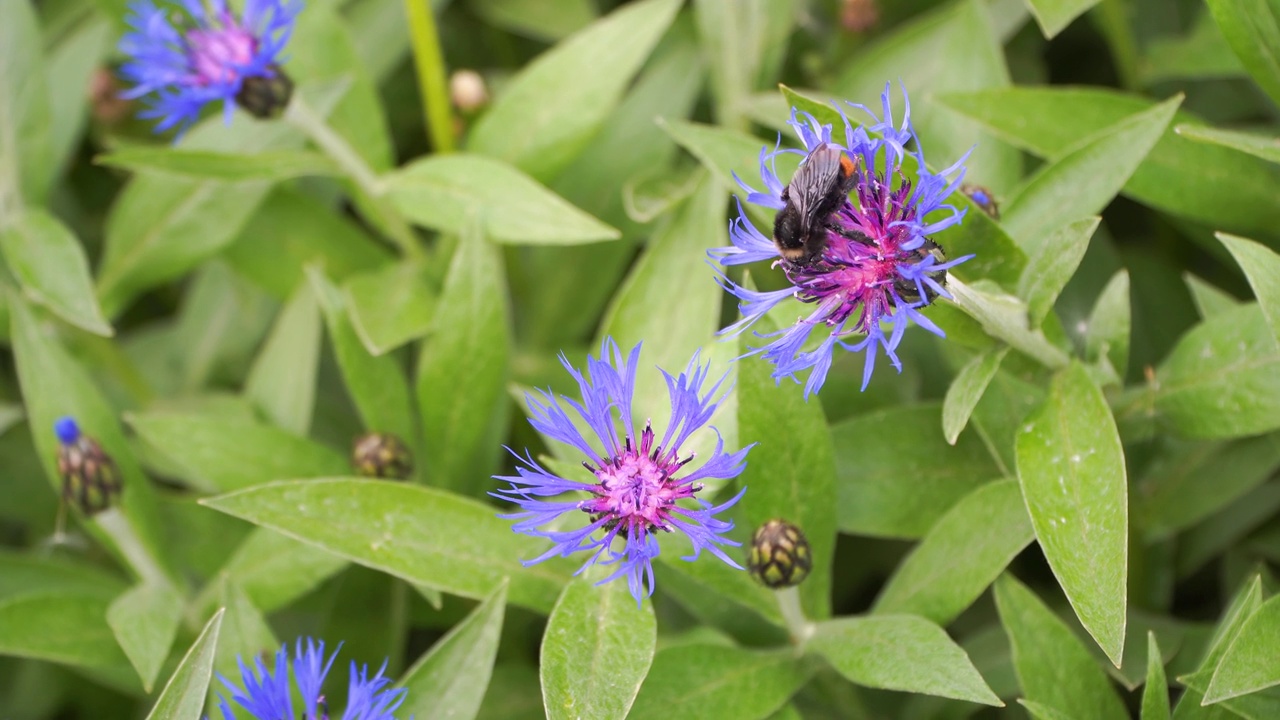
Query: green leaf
pixel 1197 480
pixel 221 165
pixel 1106 335
pixel 464 369
pixel 961 555
pixel 446 192
pixel 291 230
pixel 70 67
pixel 743 42
pixel 719 595
pixel 1211 185
pixel 1252 661
pixel 1053 667
pixel 596 650
pixel 1262 266
pixel 966 390
pixel 425 536
pixel 710 682
pixel 282 381
pixel 450 680
pixel 55 385
pixel 22 574
pixel 1252 29
pixel 1209 299
pixel 1072 470
pixel 552 108
pixel 376 384
pixel 245 633
pixel 1054 16
pixel 897 484
pixel 183 697
pixel 26 149
pixel 221 454
pixel 1155 696
pixel 792 475
pixel 1040 711
pixel 901 652
pixel 1052 264
pixel 1004 317
pixel 273 570
pixel 1084 178
pixel 1222 379
pixel 59 627
pixel 145 621
pixel 1260 146
pixel 392 305
pixel 530 17
pixel 51 267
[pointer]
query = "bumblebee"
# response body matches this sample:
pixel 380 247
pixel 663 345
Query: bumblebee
pixel 819 186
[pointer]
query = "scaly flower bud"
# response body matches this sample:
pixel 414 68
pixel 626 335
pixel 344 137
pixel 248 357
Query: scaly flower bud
pixel 780 555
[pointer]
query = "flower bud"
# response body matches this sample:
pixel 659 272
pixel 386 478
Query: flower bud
pixel 467 90
pixel 265 96
pixel 859 15
pixel 90 479
pixel 381 455
pixel 780 555
pixel 983 198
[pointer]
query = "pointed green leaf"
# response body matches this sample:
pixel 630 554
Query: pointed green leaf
pixel 183 697
pixel 1084 178
pixel 1053 667
pixel 1211 185
pixel 1106 336
pixel 376 385
pixel 426 536
pixel 50 265
pixel 1004 317
pixel 220 454
pixel 1252 661
pixel 391 305
pixel 713 682
pixel 1052 265
pixel 145 621
pixel 26 149
pixel 282 381
pixel 1055 15
pixel 59 627
pixel 596 650
pixel 446 191
pixel 1155 696
pixel 531 19
pixel 963 553
pixel 464 369
pixel 1262 266
pixel 1222 379
pixel 901 652
pixel 1209 299
pixel 1252 29
pixel 1040 711
pixel 966 390
pixel 1260 146
pixel 1201 479
pixel 793 477
pixel 1072 470
pixel 450 680
pixel 273 570
pixel 218 165
pixel 540 122
pixel 245 633
pixel 899 484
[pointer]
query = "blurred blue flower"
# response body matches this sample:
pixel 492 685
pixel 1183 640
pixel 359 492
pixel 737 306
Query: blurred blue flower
pixel 185 54
pixel 877 268
pixel 639 480
pixel 267 695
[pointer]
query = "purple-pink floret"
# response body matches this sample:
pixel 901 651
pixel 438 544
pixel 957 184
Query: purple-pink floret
pixel 878 267
pixel 639 479
pixel 185 54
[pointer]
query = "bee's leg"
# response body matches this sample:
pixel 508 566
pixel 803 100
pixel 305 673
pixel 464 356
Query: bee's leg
pixel 849 233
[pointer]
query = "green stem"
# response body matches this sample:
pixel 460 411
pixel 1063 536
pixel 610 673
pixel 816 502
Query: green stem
pixel 305 118
pixel 792 612
pixel 114 523
pixel 429 62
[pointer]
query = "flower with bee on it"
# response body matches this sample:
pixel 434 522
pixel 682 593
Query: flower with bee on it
pixel 639 478
pixel 90 478
pixel 852 237
pixel 186 54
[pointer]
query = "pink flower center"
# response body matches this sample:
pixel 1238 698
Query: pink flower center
pixel 637 488
pixel 218 55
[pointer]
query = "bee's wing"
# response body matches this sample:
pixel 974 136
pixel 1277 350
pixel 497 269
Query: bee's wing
pixel 814 181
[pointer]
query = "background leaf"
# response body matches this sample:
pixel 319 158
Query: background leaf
pixel 1252 29
pixel 713 681
pixel 145 621
pixel 50 264
pixel 184 695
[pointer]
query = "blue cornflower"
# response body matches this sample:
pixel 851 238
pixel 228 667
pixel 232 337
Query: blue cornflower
pixel 267 695
pixel 185 54
pixel 877 267
pixel 639 479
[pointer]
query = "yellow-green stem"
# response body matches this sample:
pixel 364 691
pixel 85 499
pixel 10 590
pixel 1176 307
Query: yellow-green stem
pixel 432 83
